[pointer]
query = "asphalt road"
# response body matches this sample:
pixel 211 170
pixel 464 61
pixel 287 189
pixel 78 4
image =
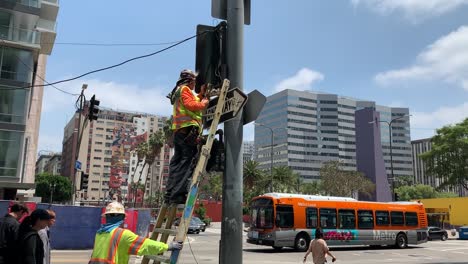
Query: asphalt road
pixel 205 250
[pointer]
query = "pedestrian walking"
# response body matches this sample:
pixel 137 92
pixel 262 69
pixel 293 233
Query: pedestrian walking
pixel 319 249
pixel 30 246
pixel 9 225
pixel 114 245
pixel 44 234
pixel 186 126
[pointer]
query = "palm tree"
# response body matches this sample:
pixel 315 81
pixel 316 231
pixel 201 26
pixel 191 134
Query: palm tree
pixel 284 179
pixel 152 151
pixel 253 176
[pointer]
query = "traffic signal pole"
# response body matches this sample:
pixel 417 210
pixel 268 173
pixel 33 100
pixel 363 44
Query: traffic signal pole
pixel 80 113
pixel 231 225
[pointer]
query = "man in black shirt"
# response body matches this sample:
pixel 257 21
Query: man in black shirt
pixel 9 225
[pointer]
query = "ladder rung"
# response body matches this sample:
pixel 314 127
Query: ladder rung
pixel 165 231
pixel 160 258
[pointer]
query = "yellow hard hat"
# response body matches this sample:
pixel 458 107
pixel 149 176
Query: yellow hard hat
pixel 114 208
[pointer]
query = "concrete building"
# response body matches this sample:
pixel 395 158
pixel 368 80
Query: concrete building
pixel 27 33
pixel 421 176
pixel 108 157
pixel 41 163
pixel 311 128
pixel 419 147
pixel 369 155
pixel 249 151
pixel 54 164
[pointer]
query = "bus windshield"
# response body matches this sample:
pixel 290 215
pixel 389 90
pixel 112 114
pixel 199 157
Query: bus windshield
pixel 261 215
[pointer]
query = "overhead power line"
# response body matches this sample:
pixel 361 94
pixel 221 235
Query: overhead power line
pixel 112 44
pixel 124 62
pixel 37 75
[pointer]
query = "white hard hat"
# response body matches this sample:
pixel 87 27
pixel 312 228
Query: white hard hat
pixel 114 208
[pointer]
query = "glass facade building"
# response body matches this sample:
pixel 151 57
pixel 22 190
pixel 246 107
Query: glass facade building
pixel 311 128
pixel 22 58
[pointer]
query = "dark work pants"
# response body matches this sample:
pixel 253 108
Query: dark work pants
pixel 180 168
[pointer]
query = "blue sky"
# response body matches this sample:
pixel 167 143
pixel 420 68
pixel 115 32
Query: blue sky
pixel 411 53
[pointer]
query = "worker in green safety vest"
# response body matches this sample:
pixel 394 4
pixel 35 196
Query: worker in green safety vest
pixel 114 245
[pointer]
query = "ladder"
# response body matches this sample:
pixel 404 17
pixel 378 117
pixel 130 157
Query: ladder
pixel 168 212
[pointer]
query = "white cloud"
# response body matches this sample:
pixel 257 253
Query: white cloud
pixel 58 107
pixel 445 60
pixel 249 132
pixel 112 95
pixel 422 122
pixel 413 10
pixel 302 80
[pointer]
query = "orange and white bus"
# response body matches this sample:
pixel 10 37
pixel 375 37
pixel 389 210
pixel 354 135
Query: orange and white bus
pixel 289 220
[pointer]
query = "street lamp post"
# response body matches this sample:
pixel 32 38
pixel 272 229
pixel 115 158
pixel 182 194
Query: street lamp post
pixel 51 188
pixel 391 148
pixel 271 151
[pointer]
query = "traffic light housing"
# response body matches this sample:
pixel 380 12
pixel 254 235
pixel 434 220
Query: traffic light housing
pixel 93 109
pixel 84 181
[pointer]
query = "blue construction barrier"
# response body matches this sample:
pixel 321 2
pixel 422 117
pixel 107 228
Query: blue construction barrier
pixel 143 223
pixel 75 226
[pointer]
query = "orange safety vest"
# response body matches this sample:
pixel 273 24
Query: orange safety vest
pixel 181 116
pixel 117 246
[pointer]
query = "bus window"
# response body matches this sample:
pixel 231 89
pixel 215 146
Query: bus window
pixel 397 218
pixel 311 220
pixel 411 219
pixel 284 216
pixel 265 217
pixel 347 219
pixel 328 218
pixel 365 219
pixel 382 218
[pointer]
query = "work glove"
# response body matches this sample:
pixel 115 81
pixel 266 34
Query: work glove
pixel 175 246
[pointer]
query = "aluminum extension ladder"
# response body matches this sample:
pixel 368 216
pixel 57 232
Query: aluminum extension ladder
pixel 168 212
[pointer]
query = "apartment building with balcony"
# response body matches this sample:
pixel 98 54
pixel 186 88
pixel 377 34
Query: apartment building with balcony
pixel 108 156
pixel 27 36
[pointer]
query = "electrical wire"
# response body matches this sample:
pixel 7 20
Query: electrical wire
pixel 124 62
pixel 37 75
pixel 111 44
pixel 193 254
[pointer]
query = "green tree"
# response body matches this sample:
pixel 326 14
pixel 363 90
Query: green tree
pixel 414 192
pixel 57 187
pixel 285 179
pixel 448 157
pixel 213 188
pixel 253 175
pixel 338 182
pixel 403 181
pixel 311 188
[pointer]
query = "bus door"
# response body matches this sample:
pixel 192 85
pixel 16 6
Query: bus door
pixel 284 225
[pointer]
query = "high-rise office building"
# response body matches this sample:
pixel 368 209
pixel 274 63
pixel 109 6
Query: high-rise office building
pixel 27 35
pixel 311 128
pixel 249 151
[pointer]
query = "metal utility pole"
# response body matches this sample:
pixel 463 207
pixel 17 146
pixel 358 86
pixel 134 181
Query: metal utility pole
pixel 80 113
pixel 391 148
pixel 231 225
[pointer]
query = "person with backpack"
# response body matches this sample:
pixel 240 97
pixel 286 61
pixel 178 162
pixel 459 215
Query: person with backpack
pixel 186 127
pixel 30 247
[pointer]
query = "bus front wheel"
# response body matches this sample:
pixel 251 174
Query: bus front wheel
pixel 401 241
pixel 301 243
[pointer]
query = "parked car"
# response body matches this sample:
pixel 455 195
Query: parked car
pixel 200 222
pixel 194 226
pixel 437 233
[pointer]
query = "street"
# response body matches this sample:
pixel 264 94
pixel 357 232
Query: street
pixel 205 250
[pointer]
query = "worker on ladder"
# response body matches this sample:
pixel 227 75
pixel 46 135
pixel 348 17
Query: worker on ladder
pixel 114 245
pixel 186 126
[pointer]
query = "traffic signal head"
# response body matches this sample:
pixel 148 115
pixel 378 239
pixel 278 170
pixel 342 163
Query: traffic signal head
pixel 84 181
pixel 93 109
